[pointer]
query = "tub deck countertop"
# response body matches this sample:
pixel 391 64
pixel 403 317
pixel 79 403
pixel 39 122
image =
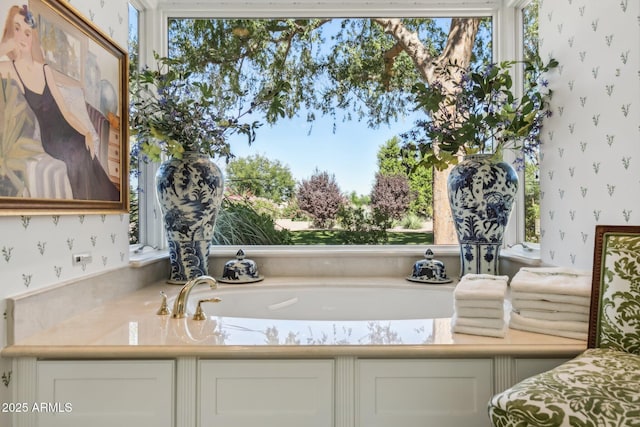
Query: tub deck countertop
pixel 129 328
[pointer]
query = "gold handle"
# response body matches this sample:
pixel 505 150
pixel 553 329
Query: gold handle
pixel 200 315
pixel 164 308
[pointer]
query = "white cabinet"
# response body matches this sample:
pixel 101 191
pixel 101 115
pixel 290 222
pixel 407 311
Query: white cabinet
pixel 278 393
pixel 105 393
pixel 345 391
pixel 418 393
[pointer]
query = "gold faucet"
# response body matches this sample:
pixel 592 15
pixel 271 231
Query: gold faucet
pixel 180 304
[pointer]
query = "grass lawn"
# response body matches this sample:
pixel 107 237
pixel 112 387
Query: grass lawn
pixel 332 237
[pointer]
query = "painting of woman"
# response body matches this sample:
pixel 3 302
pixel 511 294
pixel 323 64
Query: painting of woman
pixel 63 135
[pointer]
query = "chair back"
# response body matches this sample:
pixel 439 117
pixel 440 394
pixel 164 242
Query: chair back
pixel 614 320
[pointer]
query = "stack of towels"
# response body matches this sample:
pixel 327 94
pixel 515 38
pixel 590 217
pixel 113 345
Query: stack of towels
pixel 553 301
pixel 479 305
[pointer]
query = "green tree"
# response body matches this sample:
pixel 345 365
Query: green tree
pixel 260 177
pixel 531 203
pixel 392 160
pixel 360 68
pixel 359 199
pixel 531 179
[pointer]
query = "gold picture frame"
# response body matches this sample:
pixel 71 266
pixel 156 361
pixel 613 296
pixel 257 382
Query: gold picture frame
pixel 63 113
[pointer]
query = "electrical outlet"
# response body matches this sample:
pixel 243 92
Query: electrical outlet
pixel 82 259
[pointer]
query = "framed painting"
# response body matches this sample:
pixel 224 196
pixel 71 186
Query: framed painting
pixel 63 113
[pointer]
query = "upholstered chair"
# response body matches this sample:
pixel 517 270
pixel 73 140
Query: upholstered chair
pixel 600 387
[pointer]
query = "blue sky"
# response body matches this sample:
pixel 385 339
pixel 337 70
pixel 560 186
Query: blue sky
pixel 349 153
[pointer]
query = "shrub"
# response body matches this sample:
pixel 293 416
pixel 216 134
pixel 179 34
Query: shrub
pixel 412 222
pixel 292 211
pixel 239 223
pixel 361 227
pixel 390 197
pixel 264 206
pixel 320 197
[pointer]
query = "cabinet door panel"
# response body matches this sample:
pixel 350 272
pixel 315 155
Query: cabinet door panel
pixel 420 393
pixel 105 393
pixel 266 393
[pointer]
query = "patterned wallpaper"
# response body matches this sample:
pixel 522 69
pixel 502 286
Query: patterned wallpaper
pixel 36 251
pixel 590 165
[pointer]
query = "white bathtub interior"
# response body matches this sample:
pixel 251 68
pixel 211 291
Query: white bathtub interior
pixel 319 314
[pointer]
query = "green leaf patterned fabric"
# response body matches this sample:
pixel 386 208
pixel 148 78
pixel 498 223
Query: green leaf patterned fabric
pixel 601 387
pixel 619 309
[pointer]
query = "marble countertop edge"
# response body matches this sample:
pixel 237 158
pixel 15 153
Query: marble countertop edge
pixel 296 351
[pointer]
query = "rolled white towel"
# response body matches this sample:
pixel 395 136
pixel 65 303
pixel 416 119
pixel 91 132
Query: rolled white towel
pixel 481 287
pixel 554 315
pixel 566 325
pixel 486 332
pixel 478 322
pixel 520 304
pixel 546 296
pixel 491 313
pixel 553 280
pixel 479 303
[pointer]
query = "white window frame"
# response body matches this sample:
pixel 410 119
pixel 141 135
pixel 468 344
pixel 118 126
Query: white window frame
pixel 154 17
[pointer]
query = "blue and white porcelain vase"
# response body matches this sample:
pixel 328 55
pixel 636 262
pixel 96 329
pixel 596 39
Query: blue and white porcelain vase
pixel 481 194
pixel 190 193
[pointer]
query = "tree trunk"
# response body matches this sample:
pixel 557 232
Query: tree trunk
pixel 444 232
pixel 462 35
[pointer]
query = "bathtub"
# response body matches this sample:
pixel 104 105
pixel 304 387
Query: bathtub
pixel 321 314
pixel 328 302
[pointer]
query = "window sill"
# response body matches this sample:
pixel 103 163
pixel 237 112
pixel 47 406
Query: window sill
pixel 145 255
pixel 340 260
pixel 142 256
pixel 529 256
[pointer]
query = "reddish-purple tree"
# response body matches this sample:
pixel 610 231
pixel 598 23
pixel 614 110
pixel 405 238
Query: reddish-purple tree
pixel 391 196
pixel 320 197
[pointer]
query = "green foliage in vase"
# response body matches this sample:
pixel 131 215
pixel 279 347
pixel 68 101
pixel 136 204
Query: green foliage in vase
pixel 174 110
pixel 476 111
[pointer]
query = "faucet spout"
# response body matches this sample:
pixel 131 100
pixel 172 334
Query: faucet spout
pixel 180 304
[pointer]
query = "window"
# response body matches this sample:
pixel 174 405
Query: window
pixel 134 54
pixel 531 177
pixel 160 29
